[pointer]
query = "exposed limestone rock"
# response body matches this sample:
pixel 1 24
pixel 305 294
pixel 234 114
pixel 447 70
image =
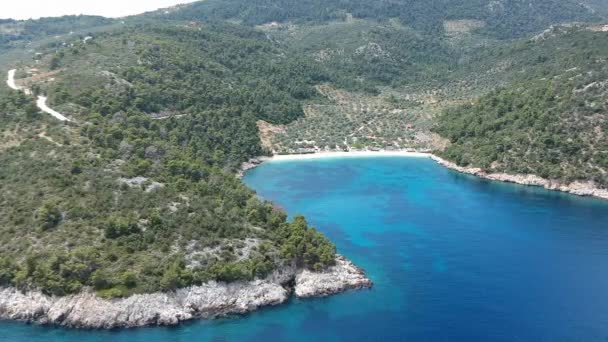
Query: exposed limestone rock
pixel 210 300
pixel 576 188
pixel 343 276
pixel 86 310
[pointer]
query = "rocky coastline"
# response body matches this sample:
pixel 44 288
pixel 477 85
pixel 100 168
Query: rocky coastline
pixel 251 164
pixel 576 188
pixel 579 188
pixel 208 301
pixel 339 278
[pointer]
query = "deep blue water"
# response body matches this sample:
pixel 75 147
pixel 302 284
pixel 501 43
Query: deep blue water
pixel 453 258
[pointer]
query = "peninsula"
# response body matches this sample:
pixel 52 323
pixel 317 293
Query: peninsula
pixel 209 300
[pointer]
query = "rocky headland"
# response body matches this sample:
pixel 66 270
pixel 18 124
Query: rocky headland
pixel 343 276
pixel 210 300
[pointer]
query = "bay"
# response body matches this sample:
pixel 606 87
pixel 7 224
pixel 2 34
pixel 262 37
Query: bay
pixel 453 258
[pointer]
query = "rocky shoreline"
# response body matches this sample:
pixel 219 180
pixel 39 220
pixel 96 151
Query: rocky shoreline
pixel 339 278
pixel 588 189
pixel 579 188
pixel 210 300
pixel 251 164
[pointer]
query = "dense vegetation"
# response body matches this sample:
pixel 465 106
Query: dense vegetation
pixel 505 18
pixel 551 121
pixel 181 69
pixel 13 32
pixel 128 201
pixel 72 218
pixel 138 194
pixel 364 54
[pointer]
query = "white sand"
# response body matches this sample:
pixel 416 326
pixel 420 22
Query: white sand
pixel 358 154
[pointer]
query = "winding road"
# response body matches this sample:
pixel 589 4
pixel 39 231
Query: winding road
pixel 11 80
pixel 40 102
pixel 13 85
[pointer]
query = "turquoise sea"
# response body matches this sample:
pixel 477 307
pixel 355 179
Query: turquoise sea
pixel 453 258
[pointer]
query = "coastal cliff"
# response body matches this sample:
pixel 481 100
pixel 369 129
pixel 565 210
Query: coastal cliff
pixel 577 188
pixel 210 300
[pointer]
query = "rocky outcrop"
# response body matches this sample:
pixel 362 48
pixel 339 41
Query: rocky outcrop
pixel 576 188
pixel 210 300
pixel 86 310
pixel 251 164
pixel 343 276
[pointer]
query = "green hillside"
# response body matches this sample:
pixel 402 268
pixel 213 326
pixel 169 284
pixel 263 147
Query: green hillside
pixel 504 18
pixel 17 33
pixel 139 193
pixel 551 121
pixel 127 201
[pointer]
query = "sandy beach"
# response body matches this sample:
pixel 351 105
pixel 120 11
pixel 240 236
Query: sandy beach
pixel 354 154
pixel 579 188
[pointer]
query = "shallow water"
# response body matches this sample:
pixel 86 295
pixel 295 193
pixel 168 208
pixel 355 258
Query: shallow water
pixel 453 258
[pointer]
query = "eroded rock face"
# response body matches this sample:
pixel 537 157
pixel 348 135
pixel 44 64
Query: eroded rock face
pixel 218 299
pixel 576 188
pixel 343 276
pixel 86 310
pixel 210 300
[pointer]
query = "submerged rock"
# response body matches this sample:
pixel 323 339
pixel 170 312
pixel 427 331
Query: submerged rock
pixel 210 300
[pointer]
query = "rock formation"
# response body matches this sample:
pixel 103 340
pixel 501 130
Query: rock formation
pixel 210 300
pixel 576 188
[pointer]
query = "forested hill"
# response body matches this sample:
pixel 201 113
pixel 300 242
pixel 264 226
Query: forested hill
pixel 18 32
pixel 129 199
pixel 138 192
pixel 163 70
pixel 550 121
pixel 502 18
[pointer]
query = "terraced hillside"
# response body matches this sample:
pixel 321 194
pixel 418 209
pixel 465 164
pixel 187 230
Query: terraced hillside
pixel 353 121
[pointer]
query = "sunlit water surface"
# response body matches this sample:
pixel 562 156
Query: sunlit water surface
pixel 453 258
